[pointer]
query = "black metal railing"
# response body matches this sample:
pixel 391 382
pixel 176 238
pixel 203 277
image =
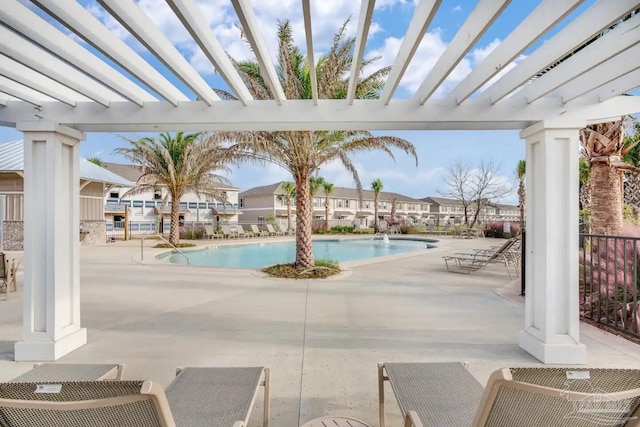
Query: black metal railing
pixel 609 280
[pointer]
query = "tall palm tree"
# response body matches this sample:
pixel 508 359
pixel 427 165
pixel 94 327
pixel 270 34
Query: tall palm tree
pixel 604 146
pixel 181 164
pixel 376 186
pixel 287 197
pixel 96 161
pixel 521 170
pixel 303 152
pixel 328 189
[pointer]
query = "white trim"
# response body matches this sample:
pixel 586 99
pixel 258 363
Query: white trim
pixel 366 12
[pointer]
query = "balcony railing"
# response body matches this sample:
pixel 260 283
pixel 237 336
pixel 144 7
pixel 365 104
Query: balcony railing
pixel 610 282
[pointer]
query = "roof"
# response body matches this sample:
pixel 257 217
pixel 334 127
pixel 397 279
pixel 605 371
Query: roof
pixel 12 160
pixel 337 193
pixel 133 173
pixel 442 201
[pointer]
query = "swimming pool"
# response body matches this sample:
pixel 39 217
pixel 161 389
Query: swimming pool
pixel 258 255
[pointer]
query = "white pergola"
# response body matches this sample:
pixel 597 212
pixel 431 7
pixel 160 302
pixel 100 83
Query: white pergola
pixel 54 87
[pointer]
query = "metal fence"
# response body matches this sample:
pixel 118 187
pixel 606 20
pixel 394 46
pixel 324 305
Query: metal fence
pixel 609 282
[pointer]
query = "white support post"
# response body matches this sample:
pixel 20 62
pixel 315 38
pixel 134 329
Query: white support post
pixel 51 306
pixel 551 332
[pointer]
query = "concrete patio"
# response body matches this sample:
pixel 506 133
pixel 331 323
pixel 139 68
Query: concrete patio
pixel 322 339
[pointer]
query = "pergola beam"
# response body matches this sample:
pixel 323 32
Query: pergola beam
pixel 615 41
pixel 251 29
pixel 364 21
pixel 34 57
pixel 619 65
pixel 599 16
pixel 298 115
pixel 21 92
pixel 141 27
pixel 75 17
pixel 26 76
pixel 546 15
pixel 306 13
pixel 480 19
pixel 193 20
pixel 26 22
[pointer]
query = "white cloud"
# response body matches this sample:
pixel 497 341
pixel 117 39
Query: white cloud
pixel 458 8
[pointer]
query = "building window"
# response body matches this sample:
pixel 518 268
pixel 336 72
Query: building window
pixel 149 204
pixel 193 205
pixel 137 203
pixel 157 195
pixel 114 195
pixel 346 203
pixel 242 203
pixel 339 201
pixel 366 204
pixel 261 219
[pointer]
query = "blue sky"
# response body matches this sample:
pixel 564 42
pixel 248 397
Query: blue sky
pixel 436 149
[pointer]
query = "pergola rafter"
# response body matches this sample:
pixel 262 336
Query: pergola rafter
pixel 545 16
pixel 53 88
pixel 79 20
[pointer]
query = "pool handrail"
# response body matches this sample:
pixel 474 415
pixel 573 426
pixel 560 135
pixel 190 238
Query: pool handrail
pixel 164 240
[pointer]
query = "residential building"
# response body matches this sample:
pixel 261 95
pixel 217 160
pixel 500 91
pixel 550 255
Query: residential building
pixel 94 181
pixel 451 211
pixel 150 211
pixel 346 206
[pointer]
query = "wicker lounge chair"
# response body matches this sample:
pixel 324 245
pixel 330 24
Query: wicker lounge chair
pixel 210 233
pixel 446 394
pixel 72 372
pixel 212 397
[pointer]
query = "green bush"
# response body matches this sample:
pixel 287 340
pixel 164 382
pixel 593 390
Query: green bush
pixel 404 229
pixel 328 263
pixel 343 229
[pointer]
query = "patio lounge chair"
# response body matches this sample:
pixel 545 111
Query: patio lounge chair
pixel 210 233
pixel 71 372
pixel 447 395
pixel 213 397
pixel 227 232
pixel 242 233
pixel 468 262
pixel 4 276
pixel 257 231
pixel 273 232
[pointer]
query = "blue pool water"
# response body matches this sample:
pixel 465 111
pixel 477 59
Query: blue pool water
pixel 258 255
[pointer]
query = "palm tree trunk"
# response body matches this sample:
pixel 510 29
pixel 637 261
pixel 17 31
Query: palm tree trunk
pixel 326 216
pixel 375 214
pixel 606 199
pixel 174 234
pixel 304 249
pixel 289 215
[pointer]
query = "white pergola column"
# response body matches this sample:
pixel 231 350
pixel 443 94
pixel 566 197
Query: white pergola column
pixel 552 320
pixel 51 306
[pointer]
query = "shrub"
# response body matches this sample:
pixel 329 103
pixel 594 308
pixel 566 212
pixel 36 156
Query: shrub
pixel 404 229
pixel 494 229
pixel 342 229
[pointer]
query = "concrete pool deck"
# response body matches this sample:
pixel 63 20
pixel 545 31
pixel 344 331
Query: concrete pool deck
pixel 322 339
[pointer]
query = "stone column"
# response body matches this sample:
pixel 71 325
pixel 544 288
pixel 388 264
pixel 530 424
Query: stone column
pixel 51 306
pixel 552 318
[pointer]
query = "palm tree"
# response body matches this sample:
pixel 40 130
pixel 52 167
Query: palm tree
pixel 328 189
pixel 179 163
pixel 287 197
pixel 583 178
pixel 604 146
pixel 96 161
pixel 521 170
pixel 302 153
pixel 376 186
